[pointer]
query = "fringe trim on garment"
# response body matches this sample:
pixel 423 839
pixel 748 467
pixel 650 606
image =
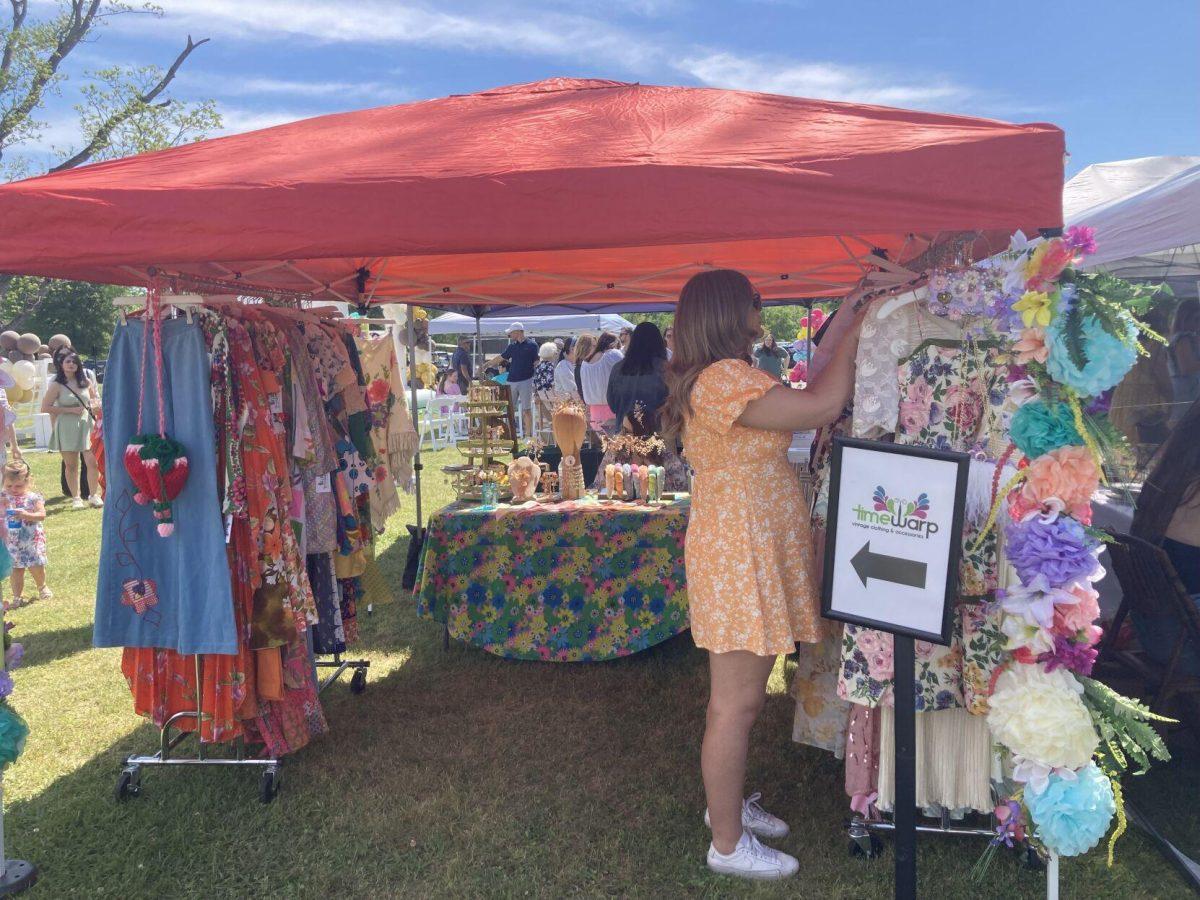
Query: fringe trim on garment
pixel 402 446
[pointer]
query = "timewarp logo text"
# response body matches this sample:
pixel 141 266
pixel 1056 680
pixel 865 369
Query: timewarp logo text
pixel 912 517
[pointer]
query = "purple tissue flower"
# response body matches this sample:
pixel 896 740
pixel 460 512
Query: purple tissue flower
pixel 13 656
pixel 1070 655
pixel 1060 550
pixel 6 684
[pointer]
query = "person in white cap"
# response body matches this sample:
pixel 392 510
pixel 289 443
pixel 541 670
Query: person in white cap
pixel 521 354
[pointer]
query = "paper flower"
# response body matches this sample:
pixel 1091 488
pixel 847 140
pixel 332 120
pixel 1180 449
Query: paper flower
pixel 1081 239
pixel 1037 601
pixel 1072 815
pixel 1046 263
pixel 1068 654
pixel 1076 620
pixel 1068 473
pixel 13 732
pixel 1024 633
pixel 6 684
pixel 13 656
pixel 1061 550
pixel 1031 347
pixel 1023 390
pixel 1036 308
pixel 1034 775
pixel 1040 716
pixel 1108 358
pixel 1037 428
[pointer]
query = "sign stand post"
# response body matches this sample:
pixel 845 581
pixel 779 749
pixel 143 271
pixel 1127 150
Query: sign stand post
pixel 892 547
pixel 905 670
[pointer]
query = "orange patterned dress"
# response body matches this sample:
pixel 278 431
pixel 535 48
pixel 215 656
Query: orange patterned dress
pixel 750 574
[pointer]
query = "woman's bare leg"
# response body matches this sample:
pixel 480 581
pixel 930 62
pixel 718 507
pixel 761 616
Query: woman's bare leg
pixel 738 689
pixel 71 461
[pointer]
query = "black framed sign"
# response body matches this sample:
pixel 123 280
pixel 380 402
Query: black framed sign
pixel 894 537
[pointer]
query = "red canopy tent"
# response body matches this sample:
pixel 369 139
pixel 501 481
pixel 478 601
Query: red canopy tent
pixel 580 193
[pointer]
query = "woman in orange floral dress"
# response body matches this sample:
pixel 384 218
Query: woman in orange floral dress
pixel 750 581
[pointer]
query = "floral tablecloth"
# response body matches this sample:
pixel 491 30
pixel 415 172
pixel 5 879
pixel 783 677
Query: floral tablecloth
pixel 569 582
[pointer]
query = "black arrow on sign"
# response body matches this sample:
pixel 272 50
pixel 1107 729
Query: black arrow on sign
pixel 887 568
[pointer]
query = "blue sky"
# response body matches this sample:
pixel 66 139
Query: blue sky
pixel 1122 79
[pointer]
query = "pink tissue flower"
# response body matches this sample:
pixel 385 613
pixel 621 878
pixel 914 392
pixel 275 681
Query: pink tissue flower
pixel 1068 473
pixel 1072 619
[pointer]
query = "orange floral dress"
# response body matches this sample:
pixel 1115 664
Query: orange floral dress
pixel 750 574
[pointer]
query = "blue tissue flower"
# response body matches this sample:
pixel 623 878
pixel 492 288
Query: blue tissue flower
pixel 1037 428
pixel 13 732
pixel 1072 815
pixel 1108 359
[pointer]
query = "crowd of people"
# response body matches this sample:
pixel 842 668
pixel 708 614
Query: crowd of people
pixel 71 400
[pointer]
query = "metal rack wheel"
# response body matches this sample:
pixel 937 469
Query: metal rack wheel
pixel 268 784
pixel 863 843
pixel 129 783
pixel 866 847
pixel 358 681
pixel 1030 858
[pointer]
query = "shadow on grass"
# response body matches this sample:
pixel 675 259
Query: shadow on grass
pixel 462 774
pixel 51 645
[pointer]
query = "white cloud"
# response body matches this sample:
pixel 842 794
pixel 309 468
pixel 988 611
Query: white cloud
pixel 236 119
pixel 826 81
pixel 513 30
pixel 222 85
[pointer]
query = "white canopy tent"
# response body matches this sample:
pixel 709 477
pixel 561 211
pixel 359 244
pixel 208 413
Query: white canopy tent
pixel 1146 213
pixel 535 326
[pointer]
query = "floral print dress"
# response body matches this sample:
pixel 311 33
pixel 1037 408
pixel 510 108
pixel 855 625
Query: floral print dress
pixel 750 576
pixel 953 396
pixel 26 543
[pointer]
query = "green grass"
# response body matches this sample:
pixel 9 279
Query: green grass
pixel 455 774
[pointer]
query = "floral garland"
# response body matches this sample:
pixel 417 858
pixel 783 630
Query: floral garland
pixel 1065 738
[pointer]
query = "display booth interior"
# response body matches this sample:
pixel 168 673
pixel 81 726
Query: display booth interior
pixel 879 208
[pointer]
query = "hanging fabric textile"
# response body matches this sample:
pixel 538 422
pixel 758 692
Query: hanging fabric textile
pixel 297 458
pixel 922 381
pixel 169 593
pixel 156 463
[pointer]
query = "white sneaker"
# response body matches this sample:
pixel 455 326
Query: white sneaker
pixel 758 820
pixel 750 859
pixel 95 501
pixel 77 503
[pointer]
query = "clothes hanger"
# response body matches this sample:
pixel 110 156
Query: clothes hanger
pixel 184 303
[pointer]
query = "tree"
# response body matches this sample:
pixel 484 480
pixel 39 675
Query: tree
pixel 781 321
pixel 83 312
pixel 124 109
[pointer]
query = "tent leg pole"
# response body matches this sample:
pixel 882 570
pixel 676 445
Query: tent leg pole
pixel 478 342
pixel 412 387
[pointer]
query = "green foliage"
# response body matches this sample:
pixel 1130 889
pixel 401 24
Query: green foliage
pixel 83 312
pixel 1115 304
pixel 116 94
pixel 124 110
pixel 781 321
pixel 1125 734
pixel 1073 335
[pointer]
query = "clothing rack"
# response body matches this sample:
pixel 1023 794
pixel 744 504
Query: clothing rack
pixel 129 781
pixel 358 681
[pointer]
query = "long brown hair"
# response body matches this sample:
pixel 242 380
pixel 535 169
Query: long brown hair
pixel 585 344
pixel 1174 481
pixel 710 325
pixel 607 341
